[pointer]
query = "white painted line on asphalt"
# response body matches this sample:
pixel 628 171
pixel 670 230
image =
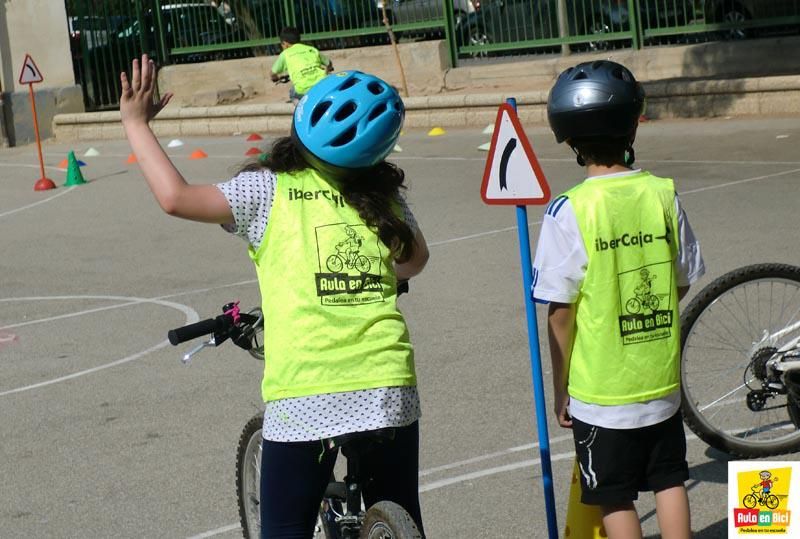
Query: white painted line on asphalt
pixel 492 471
pixel 26 165
pixel 9 212
pixel 191 317
pixel 244 158
pixel 682 193
pixel 737 182
pixel 115 306
pixel 218 531
pixel 488 456
pixel 460 478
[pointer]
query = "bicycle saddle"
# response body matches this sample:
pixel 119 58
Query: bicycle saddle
pixel 360 441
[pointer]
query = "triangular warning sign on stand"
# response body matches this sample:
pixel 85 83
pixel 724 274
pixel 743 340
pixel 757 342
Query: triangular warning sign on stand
pixel 512 175
pixel 30 73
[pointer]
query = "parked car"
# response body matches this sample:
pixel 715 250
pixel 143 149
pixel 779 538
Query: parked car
pixel 742 11
pixel 526 20
pixel 411 11
pixel 183 26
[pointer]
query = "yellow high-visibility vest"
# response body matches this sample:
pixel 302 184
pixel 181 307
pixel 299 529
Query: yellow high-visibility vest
pixel 328 290
pixel 627 338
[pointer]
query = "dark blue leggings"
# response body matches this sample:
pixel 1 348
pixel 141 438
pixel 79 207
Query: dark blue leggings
pixel 294 476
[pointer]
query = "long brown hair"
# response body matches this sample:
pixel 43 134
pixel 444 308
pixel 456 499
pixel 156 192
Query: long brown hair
pixel 372 193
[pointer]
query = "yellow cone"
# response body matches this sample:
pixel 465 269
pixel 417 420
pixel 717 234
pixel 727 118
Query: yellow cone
pixel 583 521
pixel 436 131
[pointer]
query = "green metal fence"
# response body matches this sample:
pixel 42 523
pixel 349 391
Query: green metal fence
pixel 107 34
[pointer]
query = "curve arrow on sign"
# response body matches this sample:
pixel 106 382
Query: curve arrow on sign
pixel 507 151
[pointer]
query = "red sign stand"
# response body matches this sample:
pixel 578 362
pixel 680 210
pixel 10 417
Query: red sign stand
pixel 30 75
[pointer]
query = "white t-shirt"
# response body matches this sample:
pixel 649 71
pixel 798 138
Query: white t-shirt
pixel 558 272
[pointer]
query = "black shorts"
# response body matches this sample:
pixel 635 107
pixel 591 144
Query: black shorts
pixel 616 464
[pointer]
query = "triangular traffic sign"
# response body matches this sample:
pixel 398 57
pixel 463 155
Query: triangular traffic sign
pixel 30 73
pixel 512 175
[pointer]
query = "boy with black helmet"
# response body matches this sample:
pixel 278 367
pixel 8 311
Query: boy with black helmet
pixel 615 349
pixel 330 236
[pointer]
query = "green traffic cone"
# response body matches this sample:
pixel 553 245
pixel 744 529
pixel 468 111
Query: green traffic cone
pixel 74 174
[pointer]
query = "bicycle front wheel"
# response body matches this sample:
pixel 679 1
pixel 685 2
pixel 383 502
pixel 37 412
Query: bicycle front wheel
pixel 387 520
pixel 725 344
pixel 248 477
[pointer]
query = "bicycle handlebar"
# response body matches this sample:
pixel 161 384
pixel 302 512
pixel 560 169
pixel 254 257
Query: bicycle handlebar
pixel 198 329
pixel 240 327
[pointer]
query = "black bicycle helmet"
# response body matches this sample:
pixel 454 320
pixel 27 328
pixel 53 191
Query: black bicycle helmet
pixel 595 99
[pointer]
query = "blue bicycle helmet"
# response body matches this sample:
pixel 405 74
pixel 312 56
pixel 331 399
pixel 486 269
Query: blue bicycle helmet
pixel 348 121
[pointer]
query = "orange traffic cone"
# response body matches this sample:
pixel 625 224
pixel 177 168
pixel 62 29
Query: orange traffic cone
pixel 131 158
pixel 253 151
pixel 198 154
pixel 254 137
pixel 583 521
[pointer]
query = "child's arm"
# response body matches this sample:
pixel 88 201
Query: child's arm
pixel 419 258
pixel 561 330
pixel 204 203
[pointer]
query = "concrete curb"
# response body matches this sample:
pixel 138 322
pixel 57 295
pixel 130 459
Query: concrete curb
pixel 666 99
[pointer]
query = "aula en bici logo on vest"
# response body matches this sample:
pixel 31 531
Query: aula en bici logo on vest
pixel 350 262
pixel 645 292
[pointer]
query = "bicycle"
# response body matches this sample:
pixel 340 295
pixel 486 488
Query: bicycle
pixel 759 498
pixel 341 514
pixel 740 361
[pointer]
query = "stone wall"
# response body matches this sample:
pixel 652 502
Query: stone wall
pixel 224 82
pixel 38 28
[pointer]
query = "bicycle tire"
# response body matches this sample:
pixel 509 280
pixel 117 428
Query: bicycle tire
pixel 772 502
pixel 750 501
pixel 720 355
pixel 387 520
pixel 248 475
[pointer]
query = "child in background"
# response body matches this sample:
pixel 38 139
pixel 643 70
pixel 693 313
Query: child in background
pixel 338 359
pixel 615 351
pixel 305 65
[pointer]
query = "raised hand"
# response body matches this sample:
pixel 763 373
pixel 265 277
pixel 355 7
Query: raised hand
pixel 136 103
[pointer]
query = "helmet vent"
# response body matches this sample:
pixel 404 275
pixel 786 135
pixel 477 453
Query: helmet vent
pixel 345 111
pixel 345 138
pixel 377 111
pixel 375 87
pixel 580 75
pixel 319 111
pixel 621 74
pixel 349 83
pixel 597 64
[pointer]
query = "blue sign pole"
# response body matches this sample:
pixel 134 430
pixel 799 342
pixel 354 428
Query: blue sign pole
pixel 536 365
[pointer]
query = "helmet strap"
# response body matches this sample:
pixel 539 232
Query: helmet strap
pixel 578 157
pixel 630 156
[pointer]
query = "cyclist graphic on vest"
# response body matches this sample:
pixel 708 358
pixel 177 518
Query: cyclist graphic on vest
pixel 643 292
pixel 766 482
pixel 348 253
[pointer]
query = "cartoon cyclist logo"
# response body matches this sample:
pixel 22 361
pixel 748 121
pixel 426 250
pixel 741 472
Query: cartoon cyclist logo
pixel 350 265
pixel 643 297
pixel 760 492
pixel 348 253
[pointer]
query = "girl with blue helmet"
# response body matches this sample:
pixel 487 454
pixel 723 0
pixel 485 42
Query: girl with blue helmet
pixel 338 355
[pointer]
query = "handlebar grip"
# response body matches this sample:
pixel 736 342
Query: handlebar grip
pixel 192 331
pixel 402 287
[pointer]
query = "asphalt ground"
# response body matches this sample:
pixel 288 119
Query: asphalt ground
pixel 106 434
